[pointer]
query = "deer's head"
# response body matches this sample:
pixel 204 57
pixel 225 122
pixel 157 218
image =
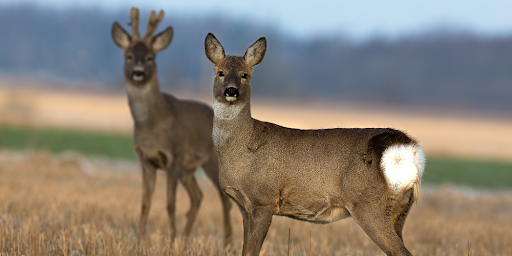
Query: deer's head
pixel 140 53
pixel 232 81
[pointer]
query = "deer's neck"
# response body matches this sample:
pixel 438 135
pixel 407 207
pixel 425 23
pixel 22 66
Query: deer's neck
pixel 144 101
pixel 232 124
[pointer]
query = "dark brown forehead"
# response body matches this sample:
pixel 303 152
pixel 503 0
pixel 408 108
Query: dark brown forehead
pixel 233 63
pixel 139 48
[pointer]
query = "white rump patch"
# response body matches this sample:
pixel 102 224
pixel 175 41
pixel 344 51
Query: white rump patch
pixel 403 165
pixel 225 111
pixel 219 136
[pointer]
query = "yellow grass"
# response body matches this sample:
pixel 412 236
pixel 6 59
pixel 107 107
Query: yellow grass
pixel 68 205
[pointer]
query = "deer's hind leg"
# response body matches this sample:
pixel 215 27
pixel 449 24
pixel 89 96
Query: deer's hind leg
pixel 403 205
pixel 189 182
pixel 172 185
pixel 374 216
pixel 211 168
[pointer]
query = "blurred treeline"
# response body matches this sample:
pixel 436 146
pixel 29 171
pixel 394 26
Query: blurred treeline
pixel 439 67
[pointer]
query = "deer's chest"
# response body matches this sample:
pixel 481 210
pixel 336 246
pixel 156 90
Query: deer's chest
pixel 140 111
pixel 220 136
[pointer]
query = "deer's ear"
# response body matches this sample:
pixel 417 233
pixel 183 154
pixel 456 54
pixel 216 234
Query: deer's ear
pixel 120 36
pixel 162 40
pixel 213 49
pixel 255 53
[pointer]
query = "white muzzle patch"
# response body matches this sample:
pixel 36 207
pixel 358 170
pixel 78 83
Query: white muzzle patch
pixel 137 78
pixel 230 98
pixel 403 165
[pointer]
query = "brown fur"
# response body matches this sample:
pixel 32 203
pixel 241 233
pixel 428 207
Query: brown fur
pixel 170 134
pixel 319 176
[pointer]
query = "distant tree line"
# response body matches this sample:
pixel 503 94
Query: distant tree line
pixel 437 67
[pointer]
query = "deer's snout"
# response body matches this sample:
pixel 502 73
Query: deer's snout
pixel 231 93
pixel 138 75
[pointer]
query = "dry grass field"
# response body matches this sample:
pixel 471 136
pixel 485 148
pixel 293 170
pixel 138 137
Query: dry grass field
pixel 71 205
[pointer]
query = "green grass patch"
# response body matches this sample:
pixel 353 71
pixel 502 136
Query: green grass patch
pixel 439 169
pixel 58 140
pixel 468 172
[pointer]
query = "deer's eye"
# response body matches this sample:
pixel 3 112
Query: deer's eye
pixel 221 74
pixel 244 76
pixel 129 57
pixel 149 58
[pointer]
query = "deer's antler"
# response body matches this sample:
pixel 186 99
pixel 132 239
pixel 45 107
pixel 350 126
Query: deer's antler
pixel 152 25
pixel 134 16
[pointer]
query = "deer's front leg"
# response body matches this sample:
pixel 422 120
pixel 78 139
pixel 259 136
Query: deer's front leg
pixel 256 224
pixel 211 168
pixel 148 187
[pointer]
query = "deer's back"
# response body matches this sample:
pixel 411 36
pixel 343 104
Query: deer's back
pixel 182 130
pixel 320 150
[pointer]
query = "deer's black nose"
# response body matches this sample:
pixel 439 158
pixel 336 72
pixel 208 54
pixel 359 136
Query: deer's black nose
pixel 138 73
pixel 231 92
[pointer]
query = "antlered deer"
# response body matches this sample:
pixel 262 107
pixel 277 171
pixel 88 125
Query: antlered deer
pixel 320 176
pixel 170 134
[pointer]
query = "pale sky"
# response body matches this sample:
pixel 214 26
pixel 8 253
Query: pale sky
pixel 358 19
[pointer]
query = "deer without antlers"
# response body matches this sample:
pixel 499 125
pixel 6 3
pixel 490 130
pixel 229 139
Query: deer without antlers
pixel 319 176
pixel 169 134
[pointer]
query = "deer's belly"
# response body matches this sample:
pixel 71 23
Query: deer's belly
pixel 316 212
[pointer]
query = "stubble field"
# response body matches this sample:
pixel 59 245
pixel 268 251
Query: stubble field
pixel 71 205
